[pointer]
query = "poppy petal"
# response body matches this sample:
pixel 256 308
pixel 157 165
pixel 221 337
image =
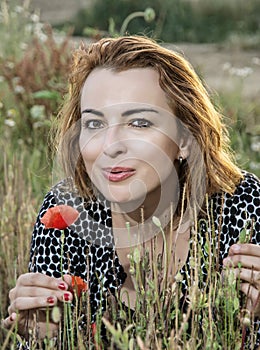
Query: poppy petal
pixel 79 285
pixel 59 217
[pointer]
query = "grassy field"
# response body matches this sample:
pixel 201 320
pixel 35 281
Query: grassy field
pixel 32 85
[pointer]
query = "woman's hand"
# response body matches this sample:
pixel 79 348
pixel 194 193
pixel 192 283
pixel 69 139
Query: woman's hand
pixel 245 258
pixel 30 299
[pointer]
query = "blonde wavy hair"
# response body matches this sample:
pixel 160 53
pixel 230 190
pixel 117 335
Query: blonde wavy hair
pixel 186 95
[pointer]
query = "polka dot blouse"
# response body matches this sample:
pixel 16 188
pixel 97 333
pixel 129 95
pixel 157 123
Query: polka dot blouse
pixel 88 244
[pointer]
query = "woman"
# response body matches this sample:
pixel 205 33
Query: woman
pixel 138 138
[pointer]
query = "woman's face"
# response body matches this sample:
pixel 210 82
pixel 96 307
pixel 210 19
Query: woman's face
pixel 129 136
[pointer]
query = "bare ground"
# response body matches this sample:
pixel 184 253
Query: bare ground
pixel 225 69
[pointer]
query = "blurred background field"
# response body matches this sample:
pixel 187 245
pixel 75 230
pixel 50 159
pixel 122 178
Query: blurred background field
pixel 220 38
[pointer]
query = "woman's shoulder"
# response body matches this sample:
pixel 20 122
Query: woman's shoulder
pixel 250 184
pixel 239 210
pixel 94 214
pixel 63 192
pixel 246 194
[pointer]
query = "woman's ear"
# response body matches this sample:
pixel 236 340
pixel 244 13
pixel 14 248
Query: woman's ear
pixel 184 147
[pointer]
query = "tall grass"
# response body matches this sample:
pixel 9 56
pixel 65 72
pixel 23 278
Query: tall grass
pixel 214 315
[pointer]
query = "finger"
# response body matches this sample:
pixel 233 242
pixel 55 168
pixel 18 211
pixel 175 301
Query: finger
pixel 28 291
pixel 67 279
pixel 248 275
pixel 27 303
pixel 245 249
pixel 9 321
pixel 253 295
pixel 247 261
pixel 41 280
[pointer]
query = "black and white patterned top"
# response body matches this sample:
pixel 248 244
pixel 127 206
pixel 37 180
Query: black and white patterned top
pixel 88 249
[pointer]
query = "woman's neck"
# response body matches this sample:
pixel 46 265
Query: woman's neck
pixel 133 220
pixel 156 203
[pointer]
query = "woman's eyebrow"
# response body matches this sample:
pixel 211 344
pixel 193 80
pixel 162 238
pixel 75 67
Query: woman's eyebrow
pixel 93 111
pixel 124 114
pixel 138 110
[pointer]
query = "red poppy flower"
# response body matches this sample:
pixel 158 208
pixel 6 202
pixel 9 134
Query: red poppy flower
pixel 79 285
pixel 60 217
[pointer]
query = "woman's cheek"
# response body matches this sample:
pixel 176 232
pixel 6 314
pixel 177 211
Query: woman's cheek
pixel 90 149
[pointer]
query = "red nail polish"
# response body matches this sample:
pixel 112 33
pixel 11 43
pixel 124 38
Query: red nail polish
pixel 62 286
pixel 50 300
pixel 66 297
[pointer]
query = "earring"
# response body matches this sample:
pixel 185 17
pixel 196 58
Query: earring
pixel 180 161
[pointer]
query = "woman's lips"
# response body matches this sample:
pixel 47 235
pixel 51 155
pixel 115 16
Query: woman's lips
pixel 118 174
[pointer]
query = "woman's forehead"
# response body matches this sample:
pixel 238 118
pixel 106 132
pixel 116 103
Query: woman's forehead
pixel 106 87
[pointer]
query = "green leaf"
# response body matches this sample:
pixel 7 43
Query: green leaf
pixel 236 304
pixel 244 236
pixel 46 94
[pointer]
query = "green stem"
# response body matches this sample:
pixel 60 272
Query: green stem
pixel 61 253
pixel 129 19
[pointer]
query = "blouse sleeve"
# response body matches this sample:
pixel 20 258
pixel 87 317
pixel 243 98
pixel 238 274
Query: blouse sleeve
pixel 238 211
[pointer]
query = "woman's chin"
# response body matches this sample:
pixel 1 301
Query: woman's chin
pixel 124 198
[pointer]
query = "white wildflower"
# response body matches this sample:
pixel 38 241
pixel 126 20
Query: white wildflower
pixel 38 30
pixel 35 18
pixel 11 113
pixel 42 37
pixel 256 61
pixel 226 66
pixel 10 65
pixel 241 72
pixel 18 9
pixel 10 122
pixel 37 112
pixel 255 146
pixel 19 89
pixel 23 46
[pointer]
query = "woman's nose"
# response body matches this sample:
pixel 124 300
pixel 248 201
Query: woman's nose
pixel 114 141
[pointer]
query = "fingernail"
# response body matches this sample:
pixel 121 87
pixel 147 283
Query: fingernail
pixel 50 300
pixel 62 286
pixel 226 261
pixel 12 317
pixel 235 248
pixel 66 296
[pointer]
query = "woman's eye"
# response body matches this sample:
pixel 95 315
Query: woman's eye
pixel 140 123
pixel 93 124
